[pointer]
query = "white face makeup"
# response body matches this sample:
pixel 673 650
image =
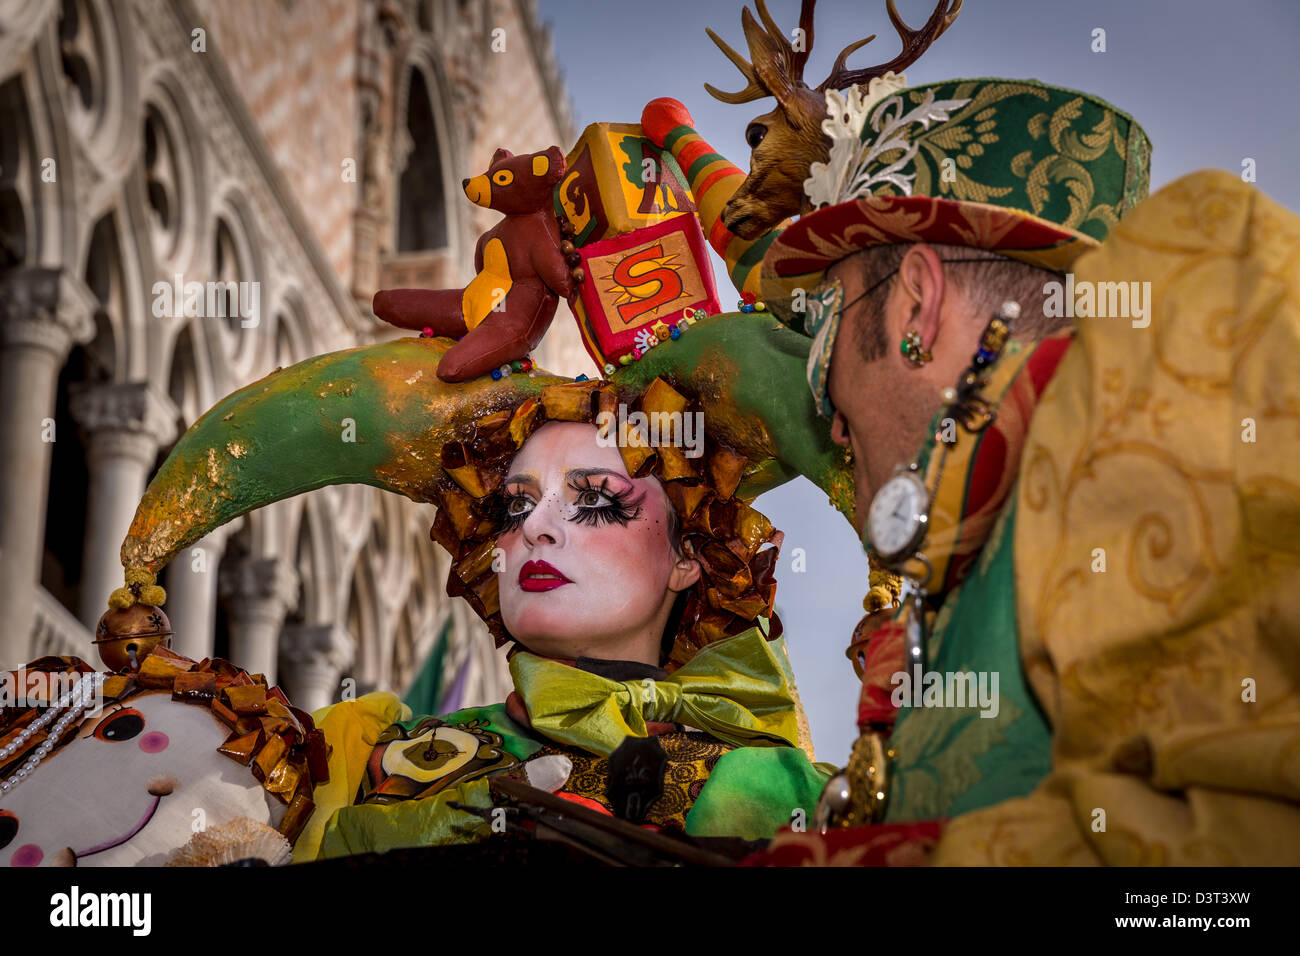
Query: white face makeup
pixel 589 567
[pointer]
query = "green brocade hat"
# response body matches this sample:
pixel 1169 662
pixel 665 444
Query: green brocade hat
pixel 379 415
pixel 1033 172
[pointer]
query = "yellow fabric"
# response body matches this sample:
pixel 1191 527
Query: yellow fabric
pixel 352 732
pixel 487 289
pixel 800 715
pixel 1137 448
pixel 735 690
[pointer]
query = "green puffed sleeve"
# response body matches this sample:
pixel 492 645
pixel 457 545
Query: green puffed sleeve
pixel 428 821
pixel 754 791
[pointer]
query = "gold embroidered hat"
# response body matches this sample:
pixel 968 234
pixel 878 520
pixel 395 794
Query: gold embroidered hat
pixel 1033 172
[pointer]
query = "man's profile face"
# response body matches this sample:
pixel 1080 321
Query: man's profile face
pixel 860 390
pixel 882 405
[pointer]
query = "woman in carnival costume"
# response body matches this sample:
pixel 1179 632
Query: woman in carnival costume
pixel 633 575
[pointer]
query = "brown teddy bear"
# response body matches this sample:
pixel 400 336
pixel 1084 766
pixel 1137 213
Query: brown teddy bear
pixel 507 307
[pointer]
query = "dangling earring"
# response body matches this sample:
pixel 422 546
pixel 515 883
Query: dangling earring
pixel 912 350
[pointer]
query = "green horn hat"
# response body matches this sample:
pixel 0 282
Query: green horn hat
pixel 378 415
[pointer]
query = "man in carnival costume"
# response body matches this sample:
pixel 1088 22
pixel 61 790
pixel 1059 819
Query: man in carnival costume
pixel 1072 415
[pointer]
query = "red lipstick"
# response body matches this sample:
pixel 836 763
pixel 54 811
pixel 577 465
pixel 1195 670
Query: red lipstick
pixel 540 576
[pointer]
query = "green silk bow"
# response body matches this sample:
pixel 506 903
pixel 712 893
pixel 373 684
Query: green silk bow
pixel 737 690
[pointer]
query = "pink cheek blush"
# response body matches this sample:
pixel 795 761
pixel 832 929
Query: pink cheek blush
pixel 154 742
pixel 29 855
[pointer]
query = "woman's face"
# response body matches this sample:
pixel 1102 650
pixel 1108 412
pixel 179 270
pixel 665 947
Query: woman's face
pixel 589 567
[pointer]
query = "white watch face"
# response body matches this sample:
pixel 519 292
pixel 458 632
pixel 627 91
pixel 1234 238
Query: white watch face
pixel 897 515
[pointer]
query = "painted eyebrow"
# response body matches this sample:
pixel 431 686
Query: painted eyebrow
pixel 528 478
pixel 588 472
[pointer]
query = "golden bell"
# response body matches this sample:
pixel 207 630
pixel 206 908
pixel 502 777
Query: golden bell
pixel 133 632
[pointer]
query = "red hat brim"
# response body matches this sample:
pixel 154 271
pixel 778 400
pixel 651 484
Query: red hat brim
pixel 811 244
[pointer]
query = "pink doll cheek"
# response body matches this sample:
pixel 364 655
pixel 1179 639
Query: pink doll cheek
pixel 29 855
pixel 154 742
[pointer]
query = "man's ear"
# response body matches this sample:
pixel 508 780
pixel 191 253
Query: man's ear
pixel 840 429
pixel 921 285
pixel 686 572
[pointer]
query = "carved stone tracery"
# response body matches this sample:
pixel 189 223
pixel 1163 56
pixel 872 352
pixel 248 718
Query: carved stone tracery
pixel 162 144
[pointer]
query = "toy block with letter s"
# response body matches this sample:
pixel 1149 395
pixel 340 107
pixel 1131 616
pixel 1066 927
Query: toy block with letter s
pixel 643 289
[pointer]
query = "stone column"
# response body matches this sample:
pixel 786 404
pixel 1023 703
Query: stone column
pixel 192 595
pixel 257 593
pixel 43 314
pixel 313 658
pixel 126 423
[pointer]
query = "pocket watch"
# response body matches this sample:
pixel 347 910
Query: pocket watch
pixel 899 516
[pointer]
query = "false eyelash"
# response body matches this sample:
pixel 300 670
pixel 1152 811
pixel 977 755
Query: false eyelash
pixel 619 510
pixel 504 519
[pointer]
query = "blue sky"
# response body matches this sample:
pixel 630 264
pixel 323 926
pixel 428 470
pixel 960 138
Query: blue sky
pixel 1211 82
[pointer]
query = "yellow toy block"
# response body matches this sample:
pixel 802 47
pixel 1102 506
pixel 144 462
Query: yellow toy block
pixel 617 181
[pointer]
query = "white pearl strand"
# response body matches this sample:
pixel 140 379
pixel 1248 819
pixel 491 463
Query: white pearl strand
pixel 76 700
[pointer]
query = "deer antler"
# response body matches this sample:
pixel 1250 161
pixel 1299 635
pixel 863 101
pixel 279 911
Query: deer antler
pixel 915 43
pixel 786 141
pixel 775 67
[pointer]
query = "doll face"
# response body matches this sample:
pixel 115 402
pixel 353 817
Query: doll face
pixel 126 790
pixel 589 567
